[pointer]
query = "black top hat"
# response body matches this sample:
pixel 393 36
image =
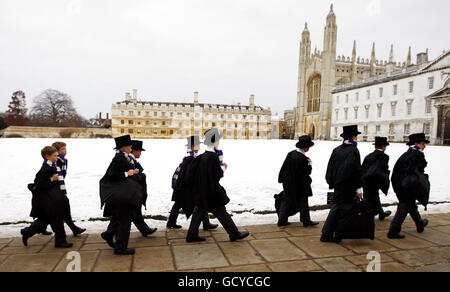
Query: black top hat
pixel 211 136
pixel 123 141
pixel 350 131
pixel 137 145
pixel 193 141
pixel 304 142
pixel 417 138
pixel 381 141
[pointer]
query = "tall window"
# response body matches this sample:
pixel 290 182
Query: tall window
pixel 394 109
pixel 407 129
pixel 395 89
pixel 378 129
pixel 380 110
pixel 337 115
pixel 411 86
pixel 428 106
pixel 357 96
pixel 366 130
pixel 391 129
pixel 431 82
pixel 427 128
pixel 346 113
pixel 381 92
pixel 356 113
pixel 313 104
pixel 346 98
pixel 367 111
pixel 409 108
pixel 368 94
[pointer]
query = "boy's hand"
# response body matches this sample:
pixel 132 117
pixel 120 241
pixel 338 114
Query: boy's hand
pixel 130 172
pixel 360 195
pixel 136 171
pixel 54 177
pixel 225 165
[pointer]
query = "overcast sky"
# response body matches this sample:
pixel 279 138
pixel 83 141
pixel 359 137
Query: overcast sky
pixel 97 50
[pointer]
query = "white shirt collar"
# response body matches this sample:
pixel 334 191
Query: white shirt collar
pixel 211 149
pixel 301 151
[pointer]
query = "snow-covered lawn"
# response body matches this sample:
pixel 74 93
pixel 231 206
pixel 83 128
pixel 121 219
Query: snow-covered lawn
pixel 251 179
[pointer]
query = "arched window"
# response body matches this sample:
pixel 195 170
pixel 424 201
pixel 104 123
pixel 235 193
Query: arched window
pixel 313 101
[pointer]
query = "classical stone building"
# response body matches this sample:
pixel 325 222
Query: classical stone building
pixel 321 71
pixel 174 120
pixel 398 103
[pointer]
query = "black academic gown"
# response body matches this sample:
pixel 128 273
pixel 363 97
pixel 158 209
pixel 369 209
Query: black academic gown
pixel 118 190
pixel 141 178
pixel 409 179
pixel 182 192
pixel 344 173
pixel 295 175
pixel 49 203
pixel 376 172
pixel 208 193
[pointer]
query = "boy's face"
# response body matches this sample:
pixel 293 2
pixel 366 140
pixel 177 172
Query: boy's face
pixel 126 149
pixel 421 145
pixel 195 148
pixel 63 151
pixel 137 153
pixel 52 157
pixel 305 150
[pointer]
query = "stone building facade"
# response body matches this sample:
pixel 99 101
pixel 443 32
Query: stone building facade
pixel 172 120
pixel 397 103
pixel 321 71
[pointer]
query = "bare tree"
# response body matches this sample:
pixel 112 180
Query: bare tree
pixel 55 108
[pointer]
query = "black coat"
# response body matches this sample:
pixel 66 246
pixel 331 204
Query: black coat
pixel 118 190
pixel 141 178
pixel 206 173
pixel 344 172
pixel 182 191
pixel 376 172
pixel 49 202
pixel 295 175
pixel 409 179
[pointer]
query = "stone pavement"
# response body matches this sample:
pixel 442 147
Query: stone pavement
pixel 268 249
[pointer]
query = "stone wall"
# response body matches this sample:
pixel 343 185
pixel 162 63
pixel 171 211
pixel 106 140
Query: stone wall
pixel 49 132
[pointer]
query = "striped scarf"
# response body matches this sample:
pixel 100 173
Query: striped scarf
pixel 62 185
pixel 178 170
pixel 415 148
pixel 220 154
pixel 64 164
pixel 350 142
pixel 130 159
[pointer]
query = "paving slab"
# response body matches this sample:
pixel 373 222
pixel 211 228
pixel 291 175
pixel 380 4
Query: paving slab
pixel 295 266
pixel 153 259
pixel 223 237
pixel 280 234
pixel 21 249
pixel 417 257
pixel 109 262
pixel 96 246
pixel 87 261
pixel 94 238
pixel 3 258
pixel 441 251
pixel 138 235
pixel 174 234
pixel 444 229
pixel 278 250
pixel 360 260
pixel 338 265
pixel 35 240
pixel 50 248
pixel 246 269
pixel 443 267
pixel 240 253
pixel 363 246
pixel 395 268
pixel 182 241
pixel 189 257
pixel 410 242
pixel 5 240
pixel 304 231
pixel 429 234
pixel 30 263
pixel 147 242
pixel 317 249
pixel 262 228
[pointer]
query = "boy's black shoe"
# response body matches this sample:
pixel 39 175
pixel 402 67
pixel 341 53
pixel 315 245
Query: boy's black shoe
pixel 210 227
pixel 25 237
pixel 173 226
pixel 79 231
pixel 395 236
pixel 383 215
pixel 283 224
pixel 63 245
pixel 310 223
pixel 108 238
pixel 45 232
pixel 150 231
pixel 196 239
pixel 328 238
pixel 124 251
pixel 421 228
pixel 239 236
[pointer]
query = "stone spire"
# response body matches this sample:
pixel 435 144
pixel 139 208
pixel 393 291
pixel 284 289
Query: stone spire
pixel 354 75
pixel 372 61
pixel 391 55
pixel 331 18
pixel 408 59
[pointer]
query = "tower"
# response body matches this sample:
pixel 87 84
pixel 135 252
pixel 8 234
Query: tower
pixel 372 62
pixel 305 55
pixel 328 74
pixel 354 69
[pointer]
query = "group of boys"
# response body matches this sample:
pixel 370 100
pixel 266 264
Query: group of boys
pixel 350 180
pixel 197 190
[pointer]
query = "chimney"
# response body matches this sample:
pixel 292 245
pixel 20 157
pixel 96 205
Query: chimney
pixel 196 97
pixel 100 116
pixel 135 94
pixel 107 116
pixel 422 58
pixel 127 96
pixel 252 100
